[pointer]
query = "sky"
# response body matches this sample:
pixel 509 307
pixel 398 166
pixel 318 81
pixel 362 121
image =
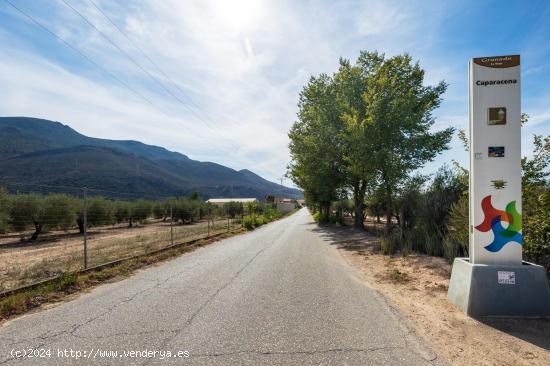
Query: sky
pixel 219 80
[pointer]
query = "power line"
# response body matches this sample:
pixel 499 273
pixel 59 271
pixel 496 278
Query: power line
pixel 137 64
pixel 82 54
pixel 143 53
pixel 158 68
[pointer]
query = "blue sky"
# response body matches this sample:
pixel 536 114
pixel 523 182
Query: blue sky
pixel 241 64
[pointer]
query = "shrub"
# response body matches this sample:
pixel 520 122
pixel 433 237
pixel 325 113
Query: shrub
pixel 248 223
pixel 536 230
pixel 456 242
pixel 317 216
pixel 260 220
pixel 390 243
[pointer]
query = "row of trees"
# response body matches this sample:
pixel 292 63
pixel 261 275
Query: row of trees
pixel 21 212
pixel 361 134
pixel 362 131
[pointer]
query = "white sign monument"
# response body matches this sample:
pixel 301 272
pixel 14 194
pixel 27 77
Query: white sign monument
pixel 495 160
pixel 494 281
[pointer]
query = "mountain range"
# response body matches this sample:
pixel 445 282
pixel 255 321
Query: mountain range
pixel 38 155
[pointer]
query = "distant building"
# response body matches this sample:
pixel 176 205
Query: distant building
pixel 221 201
pixel 284 200
pixel 285 207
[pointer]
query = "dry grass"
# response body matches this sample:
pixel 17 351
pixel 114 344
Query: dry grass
pixel 108 249
pixel 24 263
pixel 71 282
pixel 417 285
pixel 394 275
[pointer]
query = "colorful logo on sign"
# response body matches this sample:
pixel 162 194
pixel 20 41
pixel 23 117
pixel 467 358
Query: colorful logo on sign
pixel 493 221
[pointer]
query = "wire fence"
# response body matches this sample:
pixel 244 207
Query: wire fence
pixel 86 238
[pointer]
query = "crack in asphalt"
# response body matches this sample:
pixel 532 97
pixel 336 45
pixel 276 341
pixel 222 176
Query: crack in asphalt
pixel 44 338
pixel 312 352
pixel 213 296
pixel 75 327
pixel 78 330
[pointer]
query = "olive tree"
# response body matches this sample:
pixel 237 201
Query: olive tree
pixel 233 208
pixel 140 210
pixel 4 210
pixel 27 210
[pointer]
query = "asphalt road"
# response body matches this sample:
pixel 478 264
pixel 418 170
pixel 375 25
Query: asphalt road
pixel 280 295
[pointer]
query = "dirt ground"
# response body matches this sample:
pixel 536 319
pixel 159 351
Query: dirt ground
pixel 23 262
pixel 417 286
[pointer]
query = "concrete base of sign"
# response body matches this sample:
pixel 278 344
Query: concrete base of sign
pixel 498 290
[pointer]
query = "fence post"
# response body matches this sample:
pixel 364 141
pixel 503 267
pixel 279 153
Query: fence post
pixel 171 225
pixel 85 219
pixel 208 225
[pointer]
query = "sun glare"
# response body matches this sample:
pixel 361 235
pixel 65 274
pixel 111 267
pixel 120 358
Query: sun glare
pixel 238 15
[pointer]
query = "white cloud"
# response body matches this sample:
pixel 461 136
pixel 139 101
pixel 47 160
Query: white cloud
pixel 380 17
pixel 242 62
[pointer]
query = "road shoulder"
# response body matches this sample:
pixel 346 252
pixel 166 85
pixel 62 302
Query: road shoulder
pixel 416 286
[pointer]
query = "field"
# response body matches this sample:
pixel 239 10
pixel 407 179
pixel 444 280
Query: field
pixel 23 262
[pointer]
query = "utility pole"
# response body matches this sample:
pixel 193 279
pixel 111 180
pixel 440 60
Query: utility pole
pixel 85 219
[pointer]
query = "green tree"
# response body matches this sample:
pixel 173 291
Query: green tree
pixel 399 110
pixel 316 146
pixel 139 211
pixel 536 202
pixel 233 209
pixel 27 210
pixel 59 212
pixel 351 84
pixel 100 211
pixel 159 210
pixel 122 211
pixel 196 196
pixel 183 210
pixel 4 210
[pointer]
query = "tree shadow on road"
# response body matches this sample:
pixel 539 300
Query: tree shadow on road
pixel 360 242
pixel 348 238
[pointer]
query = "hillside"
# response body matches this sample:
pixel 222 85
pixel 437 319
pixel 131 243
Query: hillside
pixel 37 154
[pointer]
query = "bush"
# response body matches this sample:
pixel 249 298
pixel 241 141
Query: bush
pixel 248 223
pixel 251 222
pixel 260 220
pixel 456 242
pixel 536 230
pixel 390 243
pixel 317 216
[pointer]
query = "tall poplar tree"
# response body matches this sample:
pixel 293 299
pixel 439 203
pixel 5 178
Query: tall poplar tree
pixel 399 111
